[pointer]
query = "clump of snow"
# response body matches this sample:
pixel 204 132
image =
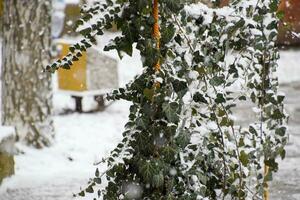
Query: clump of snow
pixel 6 132
pixel 7 140
pixel 296 34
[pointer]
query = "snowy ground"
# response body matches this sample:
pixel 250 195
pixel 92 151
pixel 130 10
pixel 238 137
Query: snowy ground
pixel 81 140
pixel 57 172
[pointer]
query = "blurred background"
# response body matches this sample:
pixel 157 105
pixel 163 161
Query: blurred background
pixel 87 127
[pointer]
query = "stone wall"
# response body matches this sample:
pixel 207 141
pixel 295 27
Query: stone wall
pixel 291 9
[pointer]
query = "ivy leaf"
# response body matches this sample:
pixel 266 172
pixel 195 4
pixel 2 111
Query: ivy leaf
pixel 282 153
pixel 148 93
pixel 226 122
pixel 242 98
pixel 217 80
pixel 273 6
pixel 171 109
pixel 173 5
pixel 183 139
pixel 280 131
pixel 277 114
pixel 168 34
pixel 158 180
pixel 147 170
pixel 244 158
pixel 280 14
pixel 273 166
pixel 180 87
pixel 142 122
pixel 220 98
pixel 252 130
pixel 198 97
pixel 280 98
pixel 97 172
pixel 169 153
pixel 82 194
pixel 90 189
pixel 97 180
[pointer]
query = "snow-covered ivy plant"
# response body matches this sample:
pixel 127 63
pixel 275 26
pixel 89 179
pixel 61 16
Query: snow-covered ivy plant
pixel 182 140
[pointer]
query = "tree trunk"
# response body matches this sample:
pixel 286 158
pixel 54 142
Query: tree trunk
pixel 1 13
pixel 26 89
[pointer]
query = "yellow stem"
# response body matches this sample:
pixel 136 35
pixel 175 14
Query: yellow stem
pixel 266 187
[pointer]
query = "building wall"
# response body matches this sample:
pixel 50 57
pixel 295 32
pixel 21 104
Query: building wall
pixel 291 9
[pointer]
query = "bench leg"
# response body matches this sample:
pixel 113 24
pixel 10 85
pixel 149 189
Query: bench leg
pixel 100 100
pixel 78 103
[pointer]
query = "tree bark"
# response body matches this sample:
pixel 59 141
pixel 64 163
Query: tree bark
pixel 26 89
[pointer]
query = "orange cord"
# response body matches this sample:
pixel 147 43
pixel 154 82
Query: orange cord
pixel 156 31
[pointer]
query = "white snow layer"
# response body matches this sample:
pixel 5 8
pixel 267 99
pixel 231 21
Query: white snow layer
pixel 6 132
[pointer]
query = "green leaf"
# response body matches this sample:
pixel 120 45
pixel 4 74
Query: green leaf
pixel 147 170
pixel 72 49
pixel 198 97
pixel 217 80
pixel 169 153
pixel 252 130
pixel 168 34
pixel 89 189
pixel 220 98
pixel 273 6
pixel 226 122
pixel 277 114
pixel 272 25
pixel 244 158
pixel 170 110
pixel 148 93
pixel 158 180
pixel 242 98
pixel 280 131
pixel 180 87
pixel 82 194
pixel 97 180
pixel 280 14
pixel 97 172
pixel 273 166
pixel 280 98
pixel 173 5
pixel 142 122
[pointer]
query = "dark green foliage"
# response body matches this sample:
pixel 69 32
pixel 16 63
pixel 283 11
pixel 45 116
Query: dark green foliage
pixel 181 141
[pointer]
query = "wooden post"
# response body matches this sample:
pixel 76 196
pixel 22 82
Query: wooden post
pixel 1 8
pixel 100 101
pixel 78 103
pixel 266 187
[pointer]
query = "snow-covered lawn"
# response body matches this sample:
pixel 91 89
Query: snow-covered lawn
pixel 81 140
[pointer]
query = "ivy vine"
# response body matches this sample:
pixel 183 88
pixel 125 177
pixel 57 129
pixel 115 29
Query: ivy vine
pixel 182 140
